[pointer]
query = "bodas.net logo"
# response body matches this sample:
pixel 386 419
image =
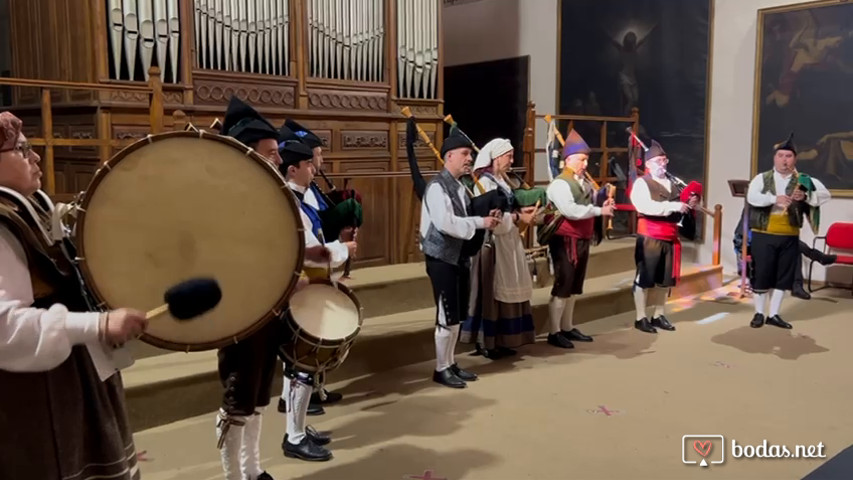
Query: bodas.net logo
pixel 702 450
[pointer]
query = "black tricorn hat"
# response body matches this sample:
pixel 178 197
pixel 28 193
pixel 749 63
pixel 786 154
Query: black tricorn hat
pixel 294 131
pixel 786 145
pixel 292 152
pixel 655 150
pixel 245 123
pixel 455 140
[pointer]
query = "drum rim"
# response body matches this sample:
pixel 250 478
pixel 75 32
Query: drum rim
pixel 349 293
pixel 280 305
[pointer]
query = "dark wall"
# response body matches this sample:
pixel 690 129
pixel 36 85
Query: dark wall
pixel 489 99
pixel 650 54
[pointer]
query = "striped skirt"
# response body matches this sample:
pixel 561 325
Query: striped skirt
pixel 492 323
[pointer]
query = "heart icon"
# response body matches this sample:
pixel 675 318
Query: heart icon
pixel 703 448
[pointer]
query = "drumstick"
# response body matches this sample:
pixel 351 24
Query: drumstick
pixel 189 299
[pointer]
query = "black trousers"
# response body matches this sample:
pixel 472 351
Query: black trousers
pixel 451 285
pixel 246 370
pixel 776 259
pixel 655 262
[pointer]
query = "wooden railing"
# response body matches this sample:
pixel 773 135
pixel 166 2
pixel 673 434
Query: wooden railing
pixel 602 176
pixel 154 89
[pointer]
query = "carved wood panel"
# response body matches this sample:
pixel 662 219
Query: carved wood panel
pixel 218 92
pixel 327 99
pixel 73 176
pixel 361 139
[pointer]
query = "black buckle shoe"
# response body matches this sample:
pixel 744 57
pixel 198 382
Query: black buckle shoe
pixel 305 450
pixel 506 352
pixel 462 374
pixel 575 334
pixel 800 292
pixel 757 321
pixel 447 378
pixel 559 340
pixel 331 397
pixel 777 321
pixel 265 476
pixel 645 326
pixel 662 322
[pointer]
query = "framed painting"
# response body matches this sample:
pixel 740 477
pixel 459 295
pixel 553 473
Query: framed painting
pixel 804 73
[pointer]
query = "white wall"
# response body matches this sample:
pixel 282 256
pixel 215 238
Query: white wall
pixel 732 85
pixel 486 30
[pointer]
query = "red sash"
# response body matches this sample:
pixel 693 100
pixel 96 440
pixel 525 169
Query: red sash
pixel 575 229
pixel 666 231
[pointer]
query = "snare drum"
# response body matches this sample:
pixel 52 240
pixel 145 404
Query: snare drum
pixel 324 320
pixel 188 204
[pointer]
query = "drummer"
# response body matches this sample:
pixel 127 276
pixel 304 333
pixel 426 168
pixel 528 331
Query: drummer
pixel 246 368
pixel 301 442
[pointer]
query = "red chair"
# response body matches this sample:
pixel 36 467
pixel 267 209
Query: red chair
pixel 838 237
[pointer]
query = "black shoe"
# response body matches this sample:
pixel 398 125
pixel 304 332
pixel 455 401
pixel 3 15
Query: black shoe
pixel 305 450
pixel 265 476
pixel 331 397
pixel 506 352
pixel 800 292
pixel 462 374
pixel 645 326
pixel 558 340
pixel 490 353
pixel 576 335
pixel 828 259
pixel 313 408
pixel 662 322
pixel 447 378
pixel 757 321
pixel 777 321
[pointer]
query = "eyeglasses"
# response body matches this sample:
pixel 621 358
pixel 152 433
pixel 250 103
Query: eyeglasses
pixel 25 149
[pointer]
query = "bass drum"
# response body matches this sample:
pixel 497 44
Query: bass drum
pixel 180 205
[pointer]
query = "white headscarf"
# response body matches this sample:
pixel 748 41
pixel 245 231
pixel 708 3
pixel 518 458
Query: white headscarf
pixel 490 151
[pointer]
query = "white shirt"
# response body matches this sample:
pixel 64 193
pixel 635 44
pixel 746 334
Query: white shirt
pixel 437 210
pixel 339 251
pixel 560 194
pixel 641 198
pixel 34 339
pixel 311 199
pixel 757 199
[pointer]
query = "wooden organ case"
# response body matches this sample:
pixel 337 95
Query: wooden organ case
pixel 343 68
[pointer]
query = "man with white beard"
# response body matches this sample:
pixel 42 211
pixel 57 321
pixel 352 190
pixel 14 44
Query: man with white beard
pixel 658 250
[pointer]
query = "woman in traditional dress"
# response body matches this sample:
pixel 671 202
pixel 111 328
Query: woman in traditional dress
pixel 499 314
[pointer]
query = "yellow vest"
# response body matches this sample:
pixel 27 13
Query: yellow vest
pixel 779 224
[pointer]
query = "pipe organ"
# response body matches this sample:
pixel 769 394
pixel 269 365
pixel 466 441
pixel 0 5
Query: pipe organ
pixel 417 48
pixel 343 68
pixel 346 39
pixel 250 36
pixel 143 33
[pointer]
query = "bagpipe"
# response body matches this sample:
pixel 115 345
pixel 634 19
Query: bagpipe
pixel 553 219
pixel 481 205
pixel 342 216
pixel 523 195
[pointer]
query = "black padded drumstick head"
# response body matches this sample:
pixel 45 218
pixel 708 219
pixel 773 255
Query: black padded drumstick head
pixel 193 297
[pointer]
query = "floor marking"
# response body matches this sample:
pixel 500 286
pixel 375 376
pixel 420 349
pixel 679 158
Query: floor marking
pixel 713 318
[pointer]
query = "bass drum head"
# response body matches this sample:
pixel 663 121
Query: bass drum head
pixel 325 312
pixel 177 206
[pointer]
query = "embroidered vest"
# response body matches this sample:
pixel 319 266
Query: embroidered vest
pixel 762 220
pixel 437 244
pixel 659 194
pixel 582 196
pixel 54 275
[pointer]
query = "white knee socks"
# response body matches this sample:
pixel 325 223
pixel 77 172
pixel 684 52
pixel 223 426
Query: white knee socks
pixel 250 452
pixel 759 298
pixel 231 445
pixel 640 302
pixel 445 346
pixel 556 307
pixel 566 323
pixel 298 395
pixel 776 297
pixel 659 301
